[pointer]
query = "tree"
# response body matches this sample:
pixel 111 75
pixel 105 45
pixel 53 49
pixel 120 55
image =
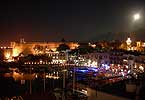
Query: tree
pixel 74 52
pixel 63 47
pixel 85 49
pixel 63 40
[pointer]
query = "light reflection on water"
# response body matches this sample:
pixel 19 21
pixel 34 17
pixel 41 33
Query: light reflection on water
pixel 38 80
pixel 16 82
pixel 25 76
pixel 10 87
pixel 17 75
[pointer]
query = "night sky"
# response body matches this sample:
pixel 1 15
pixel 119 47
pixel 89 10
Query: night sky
pixel 74 20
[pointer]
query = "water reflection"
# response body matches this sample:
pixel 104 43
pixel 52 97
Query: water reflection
pixel 17 75
pixel 37 81
pixel 18 82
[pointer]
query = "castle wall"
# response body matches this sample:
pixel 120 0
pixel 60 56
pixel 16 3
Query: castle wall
pixel 29 48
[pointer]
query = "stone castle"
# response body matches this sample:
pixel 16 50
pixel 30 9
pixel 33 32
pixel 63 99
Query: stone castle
pixel 37 47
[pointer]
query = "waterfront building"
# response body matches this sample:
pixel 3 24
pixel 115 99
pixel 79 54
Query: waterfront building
pixel 97 58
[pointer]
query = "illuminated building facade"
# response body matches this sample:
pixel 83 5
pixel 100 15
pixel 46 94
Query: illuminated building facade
pixel 133 46
pixel 115 57
pixel 26 48
pixel 128 42
pixel 111 57
pixel 97 59
pixel 7 53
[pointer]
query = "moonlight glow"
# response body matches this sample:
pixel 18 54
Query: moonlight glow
pixel 136 17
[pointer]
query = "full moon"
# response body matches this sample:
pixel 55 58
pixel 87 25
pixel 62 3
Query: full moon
pixel 136 17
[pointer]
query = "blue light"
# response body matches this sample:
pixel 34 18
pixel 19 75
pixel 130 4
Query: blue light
pixel 93 69
pixel 83 70
pixel 106 66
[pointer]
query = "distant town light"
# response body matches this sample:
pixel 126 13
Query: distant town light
pixel 143 45
pixel 16 52
pixel 36 76
pixel 141 68
pixel 93 45
pixel 7 55
pixel 128 41
pixel 126 66
pixel 41 61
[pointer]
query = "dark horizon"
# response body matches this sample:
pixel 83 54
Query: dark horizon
pixel 73 20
